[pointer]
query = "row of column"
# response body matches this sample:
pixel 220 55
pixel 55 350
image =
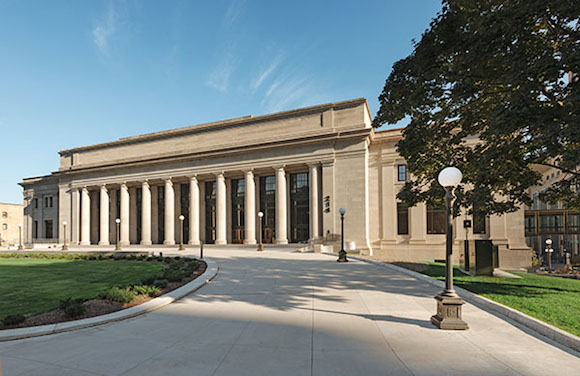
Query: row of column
pixel 194 211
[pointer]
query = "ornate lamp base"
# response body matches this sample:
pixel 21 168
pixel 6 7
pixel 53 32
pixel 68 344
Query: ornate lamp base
pixel 448 315
pixel 342 256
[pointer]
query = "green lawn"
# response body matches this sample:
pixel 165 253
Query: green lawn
pixel 30 286
pixel 550 299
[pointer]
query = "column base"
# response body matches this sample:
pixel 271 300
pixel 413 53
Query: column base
pixel 124 243
pixel 85 243
pixel 146 242
pixel 221 242
pixel 104 243
pixel 448 315
pixel 169 242
pixel 281 241
pixel 250 241
pixel 194 242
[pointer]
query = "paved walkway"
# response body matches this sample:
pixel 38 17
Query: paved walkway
pixel 282 313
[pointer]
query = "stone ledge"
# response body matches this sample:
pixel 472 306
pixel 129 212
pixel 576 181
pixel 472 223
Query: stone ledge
pixel 556 334
pixel 153 304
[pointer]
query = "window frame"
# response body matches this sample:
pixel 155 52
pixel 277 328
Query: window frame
pixel 402 211
pixel 401 170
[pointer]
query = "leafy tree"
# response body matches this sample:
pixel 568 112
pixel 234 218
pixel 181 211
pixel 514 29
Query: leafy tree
pixel 492 88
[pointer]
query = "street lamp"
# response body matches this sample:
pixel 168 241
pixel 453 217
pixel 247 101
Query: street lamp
pixel 549 251
pixel 20 247
pixel 118 246
pixel 260 245
pixel 181 247
pixel 342 253
pixel 64 246
pixel 448 302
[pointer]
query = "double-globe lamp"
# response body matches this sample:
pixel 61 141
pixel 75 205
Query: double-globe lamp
pixel 448 302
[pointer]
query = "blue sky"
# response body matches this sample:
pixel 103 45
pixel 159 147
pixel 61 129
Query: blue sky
pixel 75 73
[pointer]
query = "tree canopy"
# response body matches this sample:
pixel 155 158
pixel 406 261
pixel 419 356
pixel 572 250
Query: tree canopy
pixel 492 87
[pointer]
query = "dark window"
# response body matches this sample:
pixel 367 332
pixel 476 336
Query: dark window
pixel 299 208
pixel 161 213
pixel 402 219
pixel 35 230
pixel 4 214
pixel 4 226
pixel 36 203
pixel 401 172
pixel 210 212
pixel 435 220
pixel 50 199
pixel 530 224
pixel 46 202
pixel 574 222
pixel 185 210
pixel 268 207
pixel 479 222
pixel 551 223
pixel 238 197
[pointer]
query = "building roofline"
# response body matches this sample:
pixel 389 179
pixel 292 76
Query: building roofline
pixel 216 124
pixel 9 203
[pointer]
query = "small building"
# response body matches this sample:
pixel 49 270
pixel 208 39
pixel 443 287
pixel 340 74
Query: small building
pixel 296 167
pixel 11 217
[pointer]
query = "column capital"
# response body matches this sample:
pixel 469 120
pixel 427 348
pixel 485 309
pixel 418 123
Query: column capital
pixel 279 167
pixel 104 188
pixel 313 164
pixel 84 188
pixel 193 178
pixel 168 180
pixel 249 171
pixel 219 174
pixel 123 185
pixel 145 184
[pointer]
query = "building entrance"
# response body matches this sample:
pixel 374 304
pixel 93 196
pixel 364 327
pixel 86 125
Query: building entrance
pixel 299 208
pixel 238 197
pixel 268 207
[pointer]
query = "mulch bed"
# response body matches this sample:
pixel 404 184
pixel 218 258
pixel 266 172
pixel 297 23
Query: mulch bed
pixel 98 307
pixel 414 266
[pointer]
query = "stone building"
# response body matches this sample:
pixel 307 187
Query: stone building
pixel 11 217
pixel 297 167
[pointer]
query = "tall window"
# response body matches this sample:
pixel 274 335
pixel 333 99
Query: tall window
pixel 48 229
pixel 530 223
pixel 435 220
pixel 36 203
pixel 551 223
pixel 4 214
pixel 402 172
pixel 402 219
pixel 479 222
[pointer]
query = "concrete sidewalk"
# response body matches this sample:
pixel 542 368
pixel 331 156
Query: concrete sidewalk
pixel 282 313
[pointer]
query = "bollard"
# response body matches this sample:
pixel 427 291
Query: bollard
pixel 201 251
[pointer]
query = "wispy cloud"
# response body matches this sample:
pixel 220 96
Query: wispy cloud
pixel 266 72
pixel 219 77
pixel 234 11
pixel 105 29
pixel 289 91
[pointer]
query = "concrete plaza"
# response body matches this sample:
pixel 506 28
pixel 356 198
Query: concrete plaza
pixel 283 313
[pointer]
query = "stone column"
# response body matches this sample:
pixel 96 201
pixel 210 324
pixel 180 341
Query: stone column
pixel 104 235
pixel 193 211
pixel 124 192
pixel 145 214
pixel 314 208
pixel 250 208
pixel 220 208
pixel 169 213
pixel 85 217
pixel 281 212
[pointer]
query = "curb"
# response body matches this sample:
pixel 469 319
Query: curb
pixel 153 304
pixel 556 334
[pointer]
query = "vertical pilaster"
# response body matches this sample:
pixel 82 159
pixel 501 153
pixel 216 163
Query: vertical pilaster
pixel 85 217
pixel 220 209
pixel 250 208
pixel 145 214
pixel 193 211
pixel 314 208
pixel 104 214
pixel 281 203
pixel 125 215
pixel 169 213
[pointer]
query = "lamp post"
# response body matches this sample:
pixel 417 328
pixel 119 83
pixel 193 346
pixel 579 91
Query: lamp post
pixel 448 302
pixel 181 247
pixel 260 245
pixel 549 251
pixel 20 247
pixel 118 246
pixel 342 252
pixel 64 245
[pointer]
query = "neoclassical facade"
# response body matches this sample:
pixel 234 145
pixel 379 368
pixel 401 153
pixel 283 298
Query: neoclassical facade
pixel 296 167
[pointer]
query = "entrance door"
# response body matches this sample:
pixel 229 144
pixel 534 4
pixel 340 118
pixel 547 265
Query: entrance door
pixel 268 207
pixel 210 220
pixel 238 197
pixel 299 208
pixel 483 257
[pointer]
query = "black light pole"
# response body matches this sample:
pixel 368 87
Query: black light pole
pixel 181 247
pixel 260 245
pixel 342 253
pixel 448 302
pixel 118 246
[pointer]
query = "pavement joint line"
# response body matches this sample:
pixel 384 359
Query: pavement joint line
pixel 35 331
pixel 551 332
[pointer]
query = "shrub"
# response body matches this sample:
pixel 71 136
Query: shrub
pixel 13 319
pixel 146 290
pixel 122 295
pixel 65 303
pixel 161 283
pixel 174 275
pixel 75 309
pixel 535 260
pixel 575 260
